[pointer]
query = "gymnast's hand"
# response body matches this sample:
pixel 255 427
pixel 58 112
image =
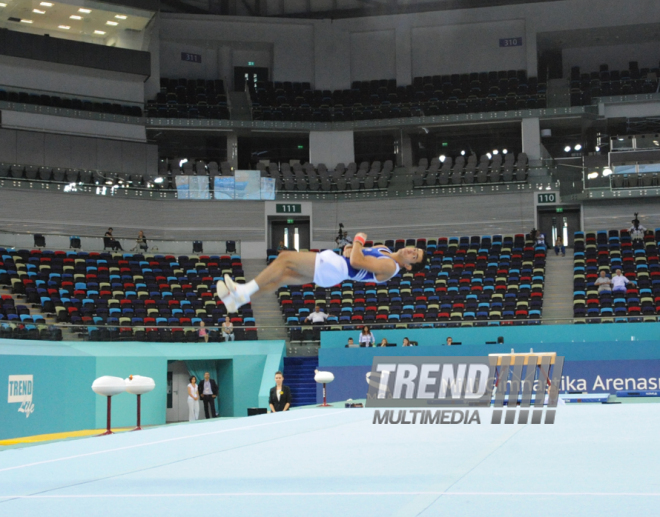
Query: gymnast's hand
pixel 347 250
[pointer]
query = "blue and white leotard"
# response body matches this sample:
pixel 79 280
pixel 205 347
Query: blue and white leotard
pixel 362 275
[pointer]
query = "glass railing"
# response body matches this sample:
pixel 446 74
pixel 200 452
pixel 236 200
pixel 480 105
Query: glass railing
pixel 62 242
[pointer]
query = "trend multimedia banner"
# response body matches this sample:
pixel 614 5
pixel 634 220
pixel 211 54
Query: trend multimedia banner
pixel 244 185
pixel 192 187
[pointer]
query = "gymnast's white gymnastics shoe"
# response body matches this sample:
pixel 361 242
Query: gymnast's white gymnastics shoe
pixel 238 291
pixel 226 297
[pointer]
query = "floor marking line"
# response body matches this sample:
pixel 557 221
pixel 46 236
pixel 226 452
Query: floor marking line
pixel 290 494
pixel 165 441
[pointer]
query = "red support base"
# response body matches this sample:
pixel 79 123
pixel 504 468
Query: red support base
pixel 325 404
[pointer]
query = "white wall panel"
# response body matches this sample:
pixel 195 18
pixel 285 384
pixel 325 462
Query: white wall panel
pixel 373 55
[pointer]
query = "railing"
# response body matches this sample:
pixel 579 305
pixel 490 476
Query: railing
pixel 61 242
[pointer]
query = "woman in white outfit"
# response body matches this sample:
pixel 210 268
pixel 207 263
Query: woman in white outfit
pixel 193 399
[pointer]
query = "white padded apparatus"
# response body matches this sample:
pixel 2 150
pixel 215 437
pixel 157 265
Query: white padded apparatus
pixel 109 386
pixel 138 385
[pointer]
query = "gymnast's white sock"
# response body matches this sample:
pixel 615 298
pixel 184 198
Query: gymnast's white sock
pixel 251 287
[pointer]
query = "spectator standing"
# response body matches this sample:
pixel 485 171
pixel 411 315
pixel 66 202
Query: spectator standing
pixel 620 282
pixel 228 330
pixel 208 391
pixel 280 395
pixel 317 316
pixel 193 399
pixel 603 283
pixel 559 247
pixel 202 332
pixel 366 337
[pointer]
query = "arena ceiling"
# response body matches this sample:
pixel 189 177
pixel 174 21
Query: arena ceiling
pixel 332 9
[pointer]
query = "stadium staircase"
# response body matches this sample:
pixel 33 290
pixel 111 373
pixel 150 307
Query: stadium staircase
pixel 240 106
pixel 266 308
pixel 299 376
pixel 558 290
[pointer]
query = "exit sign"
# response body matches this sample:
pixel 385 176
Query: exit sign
pixel 281 208
pixel 250 63
pixel 290 221
pixel 547 198
pixel 560 210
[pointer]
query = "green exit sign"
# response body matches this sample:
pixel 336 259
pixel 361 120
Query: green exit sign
pixel 445 144
pixel 547 198
pixel 250 63
pixel 281 208
pixel 290 221
pixel 560 210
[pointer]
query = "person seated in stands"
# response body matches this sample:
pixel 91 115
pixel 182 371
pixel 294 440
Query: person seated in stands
pixel 366 337
pixel 406 342
pixel 449 341
pixel 350 343
pixel 141 241
pixel 383 342
pixel 637 230
pixel 620 282
pixel 203 334
pixel 603 283
pixel 317 317
pixel 228 330
pixel 559 247
pixel 281 247
pixel 540 239
pixel 110 242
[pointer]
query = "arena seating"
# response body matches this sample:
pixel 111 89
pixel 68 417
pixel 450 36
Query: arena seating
pixel 605 82
pixel 608 250
pixel 58 174
pixel 502 168
pixel 190 98
pixel 132 295
pixel 382 99
pixel 72 103
pixel 469 281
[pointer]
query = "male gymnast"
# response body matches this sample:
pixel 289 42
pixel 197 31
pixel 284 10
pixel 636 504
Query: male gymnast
pixel 377 264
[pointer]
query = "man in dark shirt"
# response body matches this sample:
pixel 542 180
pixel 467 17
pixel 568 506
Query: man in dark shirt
pixel 208 391
pixel 280 395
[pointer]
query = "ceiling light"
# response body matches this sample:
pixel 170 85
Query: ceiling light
pixel 120 16
pixel 578 147
pixel 158 180
pixel 504 151
pixel 462 153
pixel 592 175
pixel 3 5
pixel 111 23
pixel 38 11
pixel 100 33
pixel 597 148
pixel 567 149
pixel 607 171
pixel 46 4
pixel 86 11
pixel 65 27
pixel 26 21
pixel 75 17
pixel 443 158
pixel 495 151
pixel 489 155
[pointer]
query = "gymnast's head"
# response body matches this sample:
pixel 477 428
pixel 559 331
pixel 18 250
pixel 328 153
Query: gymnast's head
pixel 412 259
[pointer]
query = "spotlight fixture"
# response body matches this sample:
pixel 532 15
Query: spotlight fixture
pixel 75 17
pixel 99 33
pixel 443 158
pixel 158 180
pixel 607 171
pixel 567 149
pixel 504 151
pixel 592 175
pixel 3 5
pixel 489 155
pixel 462 153
pixel 597 148
pixel 111 23
pixel 495 151
pixel 578 147
pixel 185 160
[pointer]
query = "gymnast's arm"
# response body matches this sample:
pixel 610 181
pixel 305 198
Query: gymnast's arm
pixel 372 264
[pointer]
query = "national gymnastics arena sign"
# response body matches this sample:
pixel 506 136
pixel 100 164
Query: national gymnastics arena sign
pixel 466 382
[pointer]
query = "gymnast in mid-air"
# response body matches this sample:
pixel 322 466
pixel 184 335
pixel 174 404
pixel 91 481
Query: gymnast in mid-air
pixel 326 269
